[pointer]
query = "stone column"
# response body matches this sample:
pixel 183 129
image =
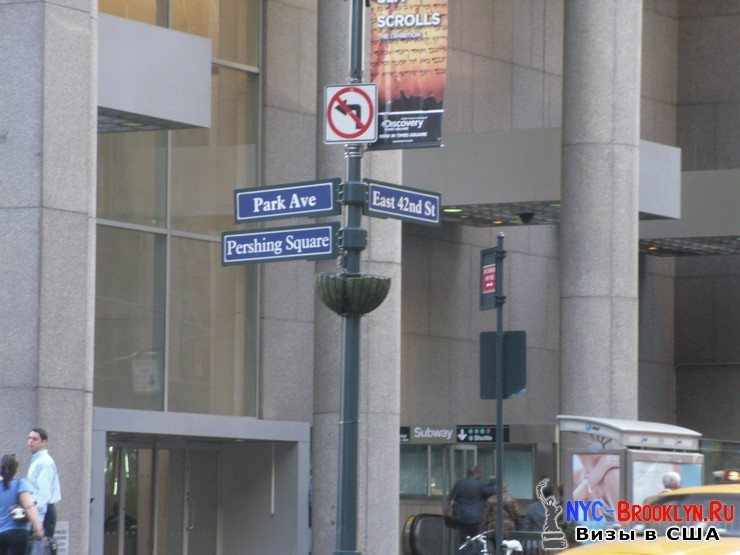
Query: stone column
pixel 380 343
pixel 48 131
pixel 599 218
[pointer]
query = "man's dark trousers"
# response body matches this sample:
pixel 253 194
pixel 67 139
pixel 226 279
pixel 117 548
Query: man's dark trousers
pixel 50 525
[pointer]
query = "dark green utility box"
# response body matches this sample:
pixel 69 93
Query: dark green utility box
pixel 514 360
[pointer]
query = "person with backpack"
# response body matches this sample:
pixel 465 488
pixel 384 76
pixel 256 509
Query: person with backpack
pixel 17 510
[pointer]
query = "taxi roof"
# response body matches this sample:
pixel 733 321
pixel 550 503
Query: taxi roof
pixel 714 488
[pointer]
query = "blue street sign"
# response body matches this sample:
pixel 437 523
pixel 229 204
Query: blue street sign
pixel 307 198
pixel 277 244
pixel 388 200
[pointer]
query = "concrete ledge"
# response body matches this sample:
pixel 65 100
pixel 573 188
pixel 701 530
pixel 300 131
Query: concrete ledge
pixel 709 207
pixel 524 166
pixel 154 72
pixel 198 425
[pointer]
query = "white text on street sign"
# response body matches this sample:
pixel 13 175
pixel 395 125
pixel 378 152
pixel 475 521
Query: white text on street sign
pixel 388 200
pixel 309 198
pixel 277 244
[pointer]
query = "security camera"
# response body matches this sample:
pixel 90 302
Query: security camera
pixel 526 217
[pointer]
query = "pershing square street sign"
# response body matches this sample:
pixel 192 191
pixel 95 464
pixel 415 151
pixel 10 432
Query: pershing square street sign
pixel 286 243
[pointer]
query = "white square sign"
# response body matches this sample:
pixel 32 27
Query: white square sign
pixel 350 113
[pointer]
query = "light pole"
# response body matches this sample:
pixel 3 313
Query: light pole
pixel 351 294
pixel 500 299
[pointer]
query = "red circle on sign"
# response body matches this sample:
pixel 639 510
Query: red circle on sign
pixel 362 126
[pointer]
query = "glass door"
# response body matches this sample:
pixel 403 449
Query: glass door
pixel 201 501
pixel 161 498
pixel 462 459
pixel 128 500
pixel 170 528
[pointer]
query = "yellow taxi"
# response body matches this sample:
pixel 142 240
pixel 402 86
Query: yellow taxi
pixel 729 532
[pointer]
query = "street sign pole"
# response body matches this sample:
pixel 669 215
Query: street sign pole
pixel 500 254
pixel 353 240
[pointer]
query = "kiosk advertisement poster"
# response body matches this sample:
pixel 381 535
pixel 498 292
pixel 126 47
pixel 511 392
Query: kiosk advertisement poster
pixel 596 476
pixel 647 477
pixel 409 65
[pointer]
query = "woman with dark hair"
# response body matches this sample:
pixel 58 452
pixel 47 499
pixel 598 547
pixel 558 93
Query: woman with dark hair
pixel 13 493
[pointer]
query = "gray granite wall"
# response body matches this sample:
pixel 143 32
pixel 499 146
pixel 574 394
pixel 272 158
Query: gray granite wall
pixel 289 155
pixel 657 379
pixel 707 305
pixel 504 72
pixel 659 98
pixel 47 238
pixel 658 121
pixel 441 323
pixel 709 84
pixel 708 345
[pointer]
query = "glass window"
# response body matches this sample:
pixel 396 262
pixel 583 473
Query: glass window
pixel 208 164
pixel 518 469
pixel 439 466
pixel 208 369
pixel 414 470
pixel 146 11
pixel 519 472
pixel 487 461
pixel 232 25
pixel 171 503
pixel 128 480
pixel 132 177
pixel 439 482
pixel 239 31
pixel 129 319
pixel 181 340
pixel 112 500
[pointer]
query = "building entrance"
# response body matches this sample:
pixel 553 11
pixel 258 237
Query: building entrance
pixel 161 496
pixel 197 484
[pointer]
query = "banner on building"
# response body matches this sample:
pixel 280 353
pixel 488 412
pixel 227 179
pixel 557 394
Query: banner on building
pixel 409 66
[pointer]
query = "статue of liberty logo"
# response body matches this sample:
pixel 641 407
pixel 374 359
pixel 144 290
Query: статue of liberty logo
pixel 552 536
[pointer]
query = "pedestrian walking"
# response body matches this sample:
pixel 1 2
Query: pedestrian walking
pixel 466 503
pixel 511 513
pixel 44 478
pixel 17 510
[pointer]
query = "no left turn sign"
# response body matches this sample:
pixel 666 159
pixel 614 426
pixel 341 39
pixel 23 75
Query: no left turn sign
pixel 350 113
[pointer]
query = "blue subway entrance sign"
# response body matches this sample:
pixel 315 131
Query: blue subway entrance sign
pixel 307 198
pixel 277 244
pixel 392 201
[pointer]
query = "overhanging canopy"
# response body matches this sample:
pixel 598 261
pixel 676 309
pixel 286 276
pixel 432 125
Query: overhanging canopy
pixel 632 433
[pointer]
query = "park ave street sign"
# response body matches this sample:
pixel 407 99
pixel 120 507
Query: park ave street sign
pixel 307 198
pixel 388 200
pixel 277 244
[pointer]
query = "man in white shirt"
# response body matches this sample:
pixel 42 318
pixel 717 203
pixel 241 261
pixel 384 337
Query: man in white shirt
pixel 44 478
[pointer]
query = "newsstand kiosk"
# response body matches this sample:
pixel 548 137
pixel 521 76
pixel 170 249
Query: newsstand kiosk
pixel 608 459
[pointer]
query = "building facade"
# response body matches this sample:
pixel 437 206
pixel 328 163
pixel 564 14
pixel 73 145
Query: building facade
pixel 193 408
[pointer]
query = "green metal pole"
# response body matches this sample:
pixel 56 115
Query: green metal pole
pixel 354 243
pixel 500 300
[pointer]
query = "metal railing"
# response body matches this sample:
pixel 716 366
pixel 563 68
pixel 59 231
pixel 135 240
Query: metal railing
pixel 427 534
